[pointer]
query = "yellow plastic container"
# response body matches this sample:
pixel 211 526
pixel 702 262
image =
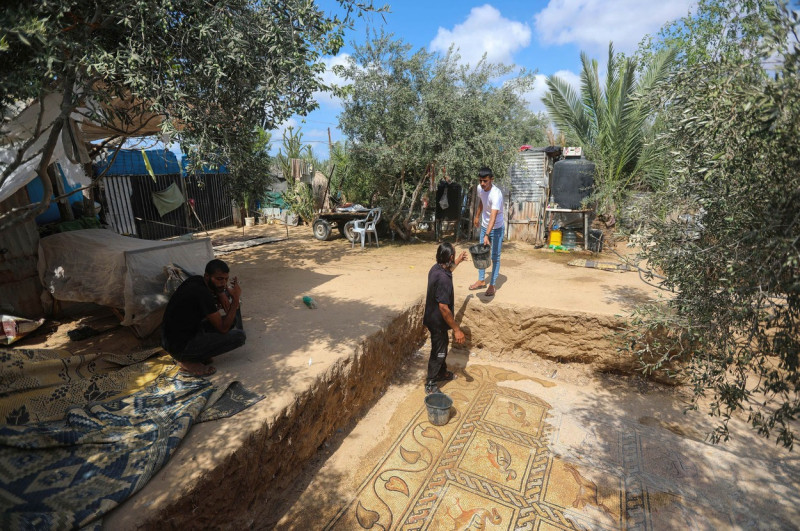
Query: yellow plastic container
pixel 555 238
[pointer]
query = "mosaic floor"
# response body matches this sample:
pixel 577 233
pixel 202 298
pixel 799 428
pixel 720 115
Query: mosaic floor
pixel 507 460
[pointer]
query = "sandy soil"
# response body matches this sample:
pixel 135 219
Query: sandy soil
pixel 276 276
pixel 357 292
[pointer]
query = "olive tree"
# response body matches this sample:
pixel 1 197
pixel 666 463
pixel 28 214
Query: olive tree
pixel 723 234
pixel 211 73
pixel 409 115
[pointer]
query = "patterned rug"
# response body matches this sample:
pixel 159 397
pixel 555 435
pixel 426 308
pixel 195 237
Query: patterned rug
pixel 38 385
pixel 226 248
pixel 69 470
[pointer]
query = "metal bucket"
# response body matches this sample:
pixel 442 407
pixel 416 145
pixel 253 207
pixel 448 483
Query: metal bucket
pixel 481 256
pixel 438 405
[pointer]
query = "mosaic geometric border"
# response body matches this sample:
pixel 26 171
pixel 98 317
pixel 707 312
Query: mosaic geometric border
pixel 490 467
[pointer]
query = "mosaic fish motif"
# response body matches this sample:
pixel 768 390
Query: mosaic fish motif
pixel 473 519
pixel 500 459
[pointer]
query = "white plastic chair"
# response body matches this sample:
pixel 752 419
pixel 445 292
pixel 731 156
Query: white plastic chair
pixel 363 227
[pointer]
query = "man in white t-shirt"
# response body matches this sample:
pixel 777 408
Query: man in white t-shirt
pixel 490 216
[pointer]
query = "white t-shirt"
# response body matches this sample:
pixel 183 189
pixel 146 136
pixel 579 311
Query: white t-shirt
pixel 491 200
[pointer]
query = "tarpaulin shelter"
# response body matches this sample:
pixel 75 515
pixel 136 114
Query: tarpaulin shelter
pixel 127 274
pixel 71 146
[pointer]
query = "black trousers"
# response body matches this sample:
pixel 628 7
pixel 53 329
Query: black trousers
pixel 209 343
pixel 440 339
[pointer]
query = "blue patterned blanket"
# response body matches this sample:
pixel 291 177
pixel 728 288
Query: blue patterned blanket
pixel 66 474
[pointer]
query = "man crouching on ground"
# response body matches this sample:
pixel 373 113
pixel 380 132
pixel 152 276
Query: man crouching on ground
pixel 203 320
pixel 439 304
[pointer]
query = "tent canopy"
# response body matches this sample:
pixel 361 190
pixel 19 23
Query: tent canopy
pixel 15 130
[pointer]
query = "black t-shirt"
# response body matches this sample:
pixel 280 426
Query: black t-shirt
pixel 440 290
pixel 187 308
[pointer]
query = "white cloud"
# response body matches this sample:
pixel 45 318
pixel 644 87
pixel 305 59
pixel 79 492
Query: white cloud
pixel 484 31
pixel 330 78
pixel 570 77
pixel 592 24
pixel 534 96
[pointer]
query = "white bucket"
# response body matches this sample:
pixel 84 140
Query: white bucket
pixel 249 222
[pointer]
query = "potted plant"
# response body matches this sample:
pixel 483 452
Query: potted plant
pixel 250 178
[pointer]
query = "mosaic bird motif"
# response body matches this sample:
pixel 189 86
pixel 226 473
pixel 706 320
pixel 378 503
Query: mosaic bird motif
pixel 587 491
pixel 500 459
pixel 518 414
pixel 473 519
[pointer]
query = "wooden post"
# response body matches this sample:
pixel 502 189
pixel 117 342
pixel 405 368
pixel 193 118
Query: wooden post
pixel 64 209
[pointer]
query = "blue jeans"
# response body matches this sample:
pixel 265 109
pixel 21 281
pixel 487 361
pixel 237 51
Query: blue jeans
pixel 496 240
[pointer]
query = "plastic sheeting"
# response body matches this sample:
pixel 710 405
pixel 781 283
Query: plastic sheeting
pixel 100 266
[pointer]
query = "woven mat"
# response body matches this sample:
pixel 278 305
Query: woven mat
pixel 605 266
pixel 84 433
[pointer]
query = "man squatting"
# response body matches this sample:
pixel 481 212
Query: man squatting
pixel 203 319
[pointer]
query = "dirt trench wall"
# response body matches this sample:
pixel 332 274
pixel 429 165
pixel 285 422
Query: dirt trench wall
pixel 240 493
pixel 565 337
pixel 247 483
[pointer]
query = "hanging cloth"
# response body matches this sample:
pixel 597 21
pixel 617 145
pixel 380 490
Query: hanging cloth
pixel 148 166
pixel 168 199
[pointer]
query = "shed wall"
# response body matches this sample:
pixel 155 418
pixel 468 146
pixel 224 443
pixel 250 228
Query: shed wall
pixel 528 183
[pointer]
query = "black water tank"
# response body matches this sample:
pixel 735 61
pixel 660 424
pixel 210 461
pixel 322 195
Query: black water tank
pixel 573 181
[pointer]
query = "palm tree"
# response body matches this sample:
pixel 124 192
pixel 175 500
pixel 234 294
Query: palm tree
pixel 614 122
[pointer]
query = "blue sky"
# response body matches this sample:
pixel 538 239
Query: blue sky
pixel 542 36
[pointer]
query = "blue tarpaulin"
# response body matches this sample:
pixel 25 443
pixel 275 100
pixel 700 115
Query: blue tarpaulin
pixel 131 162
pixel 185 163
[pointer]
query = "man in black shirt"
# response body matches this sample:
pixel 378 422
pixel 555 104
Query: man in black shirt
pixel 203 320
pixel 439 305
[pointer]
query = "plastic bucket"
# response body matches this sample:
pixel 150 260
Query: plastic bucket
pixel 438 405
pixel 555 238
pixel 481 256
pixel 595 240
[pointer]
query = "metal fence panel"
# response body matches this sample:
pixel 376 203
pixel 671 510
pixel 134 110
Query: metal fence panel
pixel 130 210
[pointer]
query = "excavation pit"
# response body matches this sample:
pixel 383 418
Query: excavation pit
pixel 537 443
pixel 326 371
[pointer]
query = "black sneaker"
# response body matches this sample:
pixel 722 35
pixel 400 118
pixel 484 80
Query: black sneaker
pixel 431 388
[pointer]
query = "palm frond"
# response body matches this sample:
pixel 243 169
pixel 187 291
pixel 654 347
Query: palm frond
pixel 566 109
pixel 658 70
pixel 591 93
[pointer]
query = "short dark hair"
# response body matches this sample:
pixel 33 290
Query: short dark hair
pixel 485 172
pixel 445 253
pixel 216 266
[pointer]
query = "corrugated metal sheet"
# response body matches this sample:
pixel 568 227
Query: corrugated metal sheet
pixel 131 162
pixel 528 181
pixel 528 176
pixel 20 288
